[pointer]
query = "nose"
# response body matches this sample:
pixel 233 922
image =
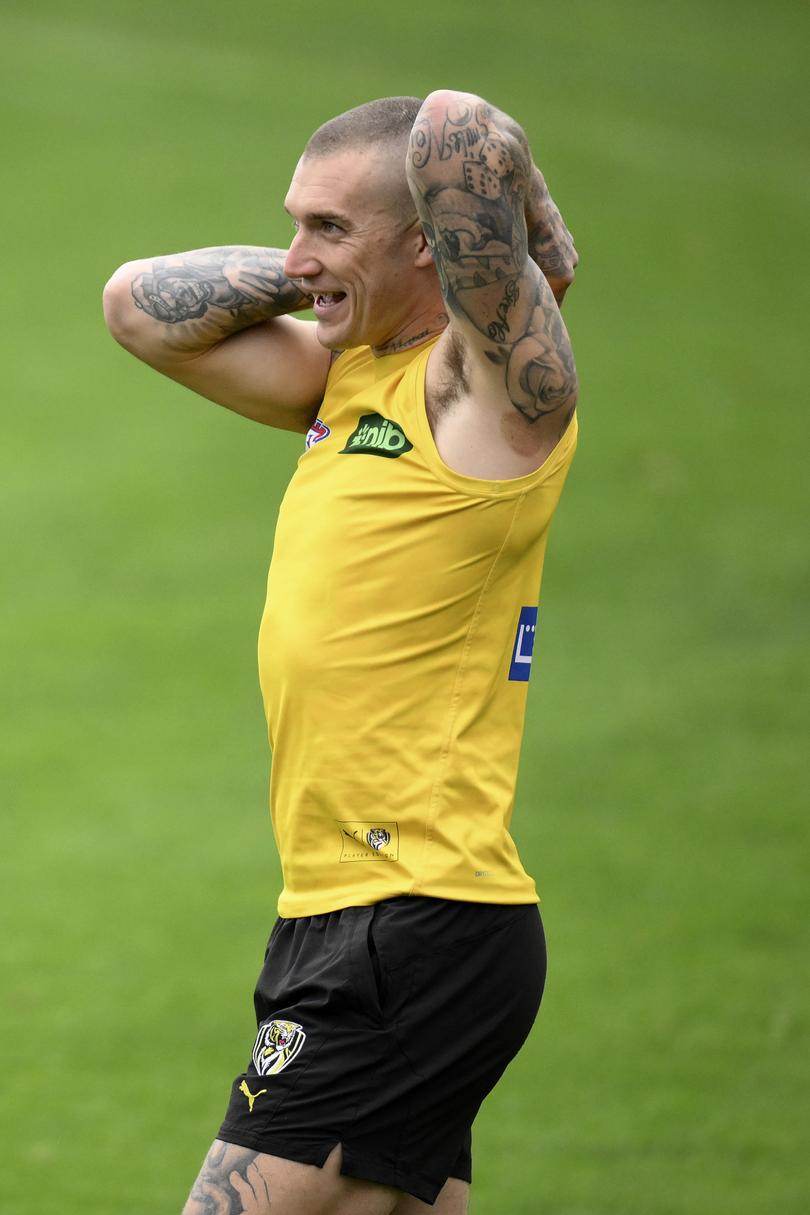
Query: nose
pixel 300 262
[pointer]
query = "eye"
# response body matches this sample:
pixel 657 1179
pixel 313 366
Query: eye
pixel 329 227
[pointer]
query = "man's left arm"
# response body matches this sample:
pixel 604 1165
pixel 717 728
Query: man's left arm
pixel 474 184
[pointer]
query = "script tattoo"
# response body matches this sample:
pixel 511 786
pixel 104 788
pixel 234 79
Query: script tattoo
pixel 473 182
pixel 214 292
pixel 499 329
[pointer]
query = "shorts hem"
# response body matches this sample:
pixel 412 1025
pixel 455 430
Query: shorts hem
pixel 353 1164
pixel 271 1145
pixel 362 1169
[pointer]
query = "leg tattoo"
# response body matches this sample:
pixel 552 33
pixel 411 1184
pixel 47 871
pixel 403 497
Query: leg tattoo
pixel 231 1182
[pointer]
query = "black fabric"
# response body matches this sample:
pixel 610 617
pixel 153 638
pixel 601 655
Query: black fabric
pixel 397 1020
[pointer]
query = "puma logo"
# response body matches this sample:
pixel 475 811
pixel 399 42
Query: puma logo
pixel 243 1088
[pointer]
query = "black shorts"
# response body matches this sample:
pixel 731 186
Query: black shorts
pixel 383 1028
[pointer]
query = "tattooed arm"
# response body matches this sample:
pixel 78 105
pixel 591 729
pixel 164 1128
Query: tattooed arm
pixel 551 246
pixel 217 321
pixel 472 178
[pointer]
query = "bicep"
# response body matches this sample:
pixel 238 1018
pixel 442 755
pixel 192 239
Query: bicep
pixel 274 372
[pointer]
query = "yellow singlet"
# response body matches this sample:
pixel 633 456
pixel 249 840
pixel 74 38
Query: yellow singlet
pixel 395 650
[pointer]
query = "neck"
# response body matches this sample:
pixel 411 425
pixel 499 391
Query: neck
pixel 419 331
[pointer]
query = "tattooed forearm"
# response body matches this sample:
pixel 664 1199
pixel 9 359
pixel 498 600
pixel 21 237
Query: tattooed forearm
pixel 474 184
pixel 210 293
pixel 551 246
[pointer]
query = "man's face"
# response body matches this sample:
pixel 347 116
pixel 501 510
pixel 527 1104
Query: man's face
pixel 353 249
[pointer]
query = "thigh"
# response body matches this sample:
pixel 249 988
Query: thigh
pixel 239 1181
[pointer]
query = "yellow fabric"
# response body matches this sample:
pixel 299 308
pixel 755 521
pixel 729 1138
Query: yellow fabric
pixel 393 606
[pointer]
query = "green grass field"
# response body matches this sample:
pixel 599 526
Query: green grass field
pixel 660 803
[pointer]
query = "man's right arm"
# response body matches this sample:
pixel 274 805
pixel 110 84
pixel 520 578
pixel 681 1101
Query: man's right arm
pixel 217 320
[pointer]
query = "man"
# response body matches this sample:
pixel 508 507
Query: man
pixel 436 388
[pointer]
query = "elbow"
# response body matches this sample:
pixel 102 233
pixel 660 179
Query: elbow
pixel 437 128
pixel 453 128
pixel 443 109
pixel 113 301
pixel 120 311
pixel 443 99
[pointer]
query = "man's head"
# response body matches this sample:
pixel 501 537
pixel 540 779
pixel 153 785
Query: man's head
pixel 359 247
pixel 384 125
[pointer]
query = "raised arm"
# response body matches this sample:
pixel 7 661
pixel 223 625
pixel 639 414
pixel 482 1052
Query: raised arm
pixel 551 246
pixel 216 320
pixel 472 178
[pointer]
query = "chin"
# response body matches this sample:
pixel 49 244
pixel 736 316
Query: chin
pixel 330 343
pixel 339 337
pixel 329 336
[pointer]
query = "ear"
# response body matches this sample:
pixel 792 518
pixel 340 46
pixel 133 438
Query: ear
pixel 422 254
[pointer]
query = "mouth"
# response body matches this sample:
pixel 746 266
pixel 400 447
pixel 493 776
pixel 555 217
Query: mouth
pixel 325 302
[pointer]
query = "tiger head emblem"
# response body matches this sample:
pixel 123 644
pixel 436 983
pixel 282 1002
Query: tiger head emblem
pixel 277 1044
pixel 378 838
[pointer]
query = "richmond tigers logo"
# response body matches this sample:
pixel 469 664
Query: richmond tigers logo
pixel 277 1044
pixel 378 838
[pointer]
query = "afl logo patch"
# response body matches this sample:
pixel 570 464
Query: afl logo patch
pixel 317 431
pixel 277 1044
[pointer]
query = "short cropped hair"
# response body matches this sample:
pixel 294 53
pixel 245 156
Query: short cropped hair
pixel 388 120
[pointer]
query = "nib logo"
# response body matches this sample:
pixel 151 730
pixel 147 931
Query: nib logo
pixel 377 436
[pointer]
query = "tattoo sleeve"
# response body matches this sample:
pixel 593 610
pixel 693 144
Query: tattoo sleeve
pixel 204 296
pixel 551 246
pixel 232 1181
pixel 472 178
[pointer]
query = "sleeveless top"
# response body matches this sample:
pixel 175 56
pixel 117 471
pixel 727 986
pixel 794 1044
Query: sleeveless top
pixel 394 652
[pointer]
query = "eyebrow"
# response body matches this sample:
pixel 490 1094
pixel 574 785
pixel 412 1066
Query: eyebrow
pixel 332 217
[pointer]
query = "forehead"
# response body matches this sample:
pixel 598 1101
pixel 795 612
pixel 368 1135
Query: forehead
pixel 345 183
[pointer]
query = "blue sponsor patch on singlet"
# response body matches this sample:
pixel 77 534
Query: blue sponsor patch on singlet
pixel 521 665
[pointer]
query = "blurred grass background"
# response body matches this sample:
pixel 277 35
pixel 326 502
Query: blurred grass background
pixel 662 797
